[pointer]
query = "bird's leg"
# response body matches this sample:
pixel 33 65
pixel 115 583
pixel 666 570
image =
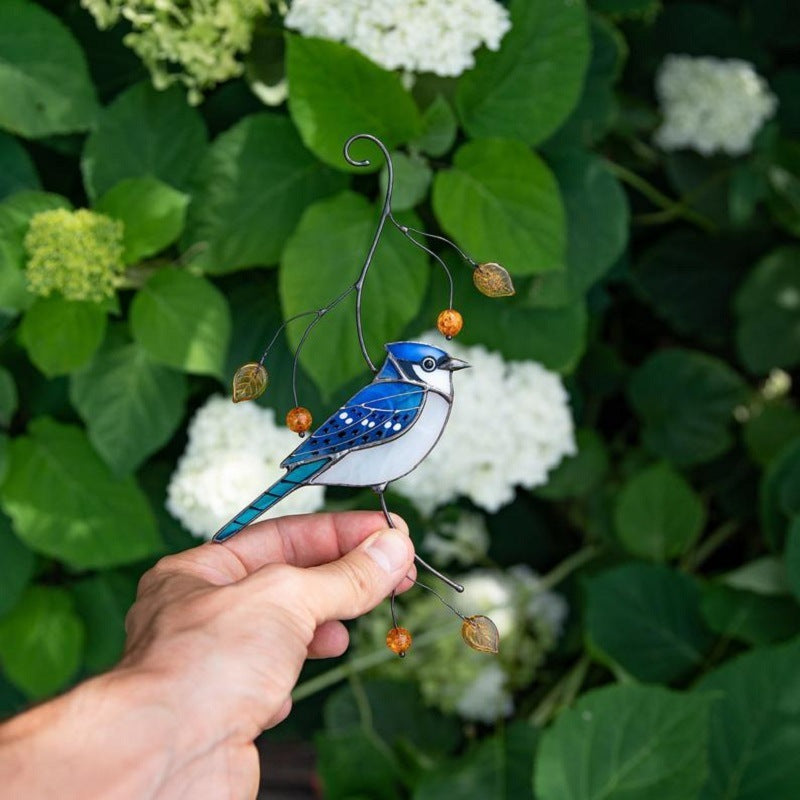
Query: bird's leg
pixel 421 561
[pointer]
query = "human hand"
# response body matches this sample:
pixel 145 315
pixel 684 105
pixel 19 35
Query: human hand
pixel 216 641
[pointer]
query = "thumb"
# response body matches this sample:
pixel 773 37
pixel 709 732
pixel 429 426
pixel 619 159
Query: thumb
pixel 357 582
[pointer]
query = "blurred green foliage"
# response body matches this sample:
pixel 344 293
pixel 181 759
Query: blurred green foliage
pixel 665 288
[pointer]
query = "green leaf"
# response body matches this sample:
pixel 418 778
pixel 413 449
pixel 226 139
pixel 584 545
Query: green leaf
pixel 793 557
pixel 335 92
pixel 765 575
pixel 528 87
pixel 597 226
pixel 65 503
pixel 354 765
pixel 439 129
pixel 183 321
pixel 685 401
pixel 499 768
pixel 45 86
pixel 628 8
pixel 501 203
pixel 8 397
pixel 768 311
pixel 318 263
pixel 251 188
pixel 102 602
pixel 131 405
pixel 597 108
pixel 412 178
pixel 626 743
pixel 646 618
pixel 657 515
pixel 783 178
pixel 581 474
pixel 61 335
pixel 15 216
pixel 399 716
pixel 753 618
pixel 41 641
pixel 16 566
pixel 755 725
pixel 144 132
pixel 152 212
pixel 688 278
pixel 17 171
pixel 766 432
pixel 780 494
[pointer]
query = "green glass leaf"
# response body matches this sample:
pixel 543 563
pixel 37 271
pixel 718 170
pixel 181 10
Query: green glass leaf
pixel 685 401
pixel 646 618
pixel 780 494
pixel 102 602
pixel 251 188
pixel 335 92
pixel 528 87
pixel 152 212
pixel 581 474
pixel 750 617
pixel 130 404
pixel 439 129
pixel 8 397
pixel 755 725
pixel 41 641
pixel 45 86
pixel 61 335
pixel 144 132
pixel 658 515
pixel 16 566
pixel 597 217
pixel 321 258
pixel 17 171
pixel 501 203
pixel 768 311
pixel 626 742
pixel 65 503
pixel 15 216
pixel 183 321
pixel 498 768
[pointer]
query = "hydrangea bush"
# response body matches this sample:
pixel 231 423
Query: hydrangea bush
pixel 618 484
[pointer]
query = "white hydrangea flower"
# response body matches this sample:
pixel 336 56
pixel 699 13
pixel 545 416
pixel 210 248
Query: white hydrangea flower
pixel 438 36
pixel 711 105
pixel 486 698
pixel 234 453
pixel 464 540
pixel 510 425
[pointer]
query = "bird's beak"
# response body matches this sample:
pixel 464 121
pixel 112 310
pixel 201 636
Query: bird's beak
pixel 455 363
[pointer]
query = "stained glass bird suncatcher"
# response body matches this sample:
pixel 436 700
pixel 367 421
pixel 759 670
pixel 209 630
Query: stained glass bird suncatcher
pixel 388 427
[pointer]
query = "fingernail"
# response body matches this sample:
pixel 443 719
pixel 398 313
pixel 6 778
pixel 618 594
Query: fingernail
pixel 388 550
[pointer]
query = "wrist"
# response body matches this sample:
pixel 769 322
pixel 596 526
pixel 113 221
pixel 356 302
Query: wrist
pixel 109 737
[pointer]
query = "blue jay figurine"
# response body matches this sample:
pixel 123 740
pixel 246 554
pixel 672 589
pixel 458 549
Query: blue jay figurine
pixel 376 437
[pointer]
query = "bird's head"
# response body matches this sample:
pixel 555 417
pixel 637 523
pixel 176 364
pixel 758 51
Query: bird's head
pixel 421 363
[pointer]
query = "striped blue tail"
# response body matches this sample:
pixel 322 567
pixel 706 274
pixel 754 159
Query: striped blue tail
pixel 293 479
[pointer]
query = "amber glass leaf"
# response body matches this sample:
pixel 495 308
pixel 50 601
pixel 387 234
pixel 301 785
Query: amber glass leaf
pixel 249 382
pixel 480 633
pixel 493 280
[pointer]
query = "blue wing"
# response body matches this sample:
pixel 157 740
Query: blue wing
pixel 380 412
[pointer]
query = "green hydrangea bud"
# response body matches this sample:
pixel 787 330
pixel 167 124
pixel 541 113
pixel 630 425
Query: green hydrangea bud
pixel 75 253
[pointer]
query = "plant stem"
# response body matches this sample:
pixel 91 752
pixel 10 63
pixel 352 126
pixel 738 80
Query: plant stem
pixel 694 559
pixel 563 570
pixel 562 694
pixel 671 208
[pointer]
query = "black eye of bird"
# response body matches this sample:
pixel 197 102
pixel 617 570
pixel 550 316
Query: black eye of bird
pixel 429 364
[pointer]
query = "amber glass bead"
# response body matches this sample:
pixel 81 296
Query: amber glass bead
pixel 249 382
pixel 492 280
pixel 450 323
pixel 481 634
pixel 398 640
pixel 298 420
